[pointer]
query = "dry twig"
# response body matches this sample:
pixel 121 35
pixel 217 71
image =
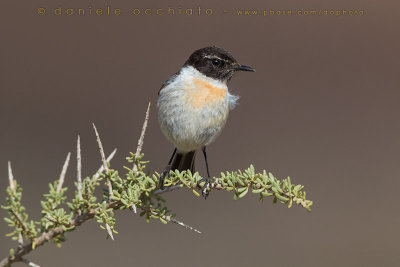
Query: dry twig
pixel 103 159
pixel 63 173
pixel 11 177
pixel 29 263
pixel 142 134
pixel 101 169
pixel 12 187
pixel 79 167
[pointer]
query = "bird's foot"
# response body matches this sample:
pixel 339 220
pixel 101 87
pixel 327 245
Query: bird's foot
pixel 205 189
pixel 164 174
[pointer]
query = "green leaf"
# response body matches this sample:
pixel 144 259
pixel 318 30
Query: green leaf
pixel 244 193
pixel 282 198
pixel 256 191
pixel 8 220
pixel 241 189
pixel 195 192
pixel 267 194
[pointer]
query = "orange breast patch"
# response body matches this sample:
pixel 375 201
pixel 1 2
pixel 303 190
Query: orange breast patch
pixel 203 93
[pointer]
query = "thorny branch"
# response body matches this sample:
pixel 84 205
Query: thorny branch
pixel 47 236
pixel 19 219
pixel 273 187
pixel 80 218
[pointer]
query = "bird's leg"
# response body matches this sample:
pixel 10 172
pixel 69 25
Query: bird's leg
pixel 207 181
pixel 165 173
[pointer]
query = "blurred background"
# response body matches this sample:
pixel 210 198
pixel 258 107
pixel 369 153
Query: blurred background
pixel 322 108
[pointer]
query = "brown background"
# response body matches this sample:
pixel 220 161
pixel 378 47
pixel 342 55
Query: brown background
pixel 321 108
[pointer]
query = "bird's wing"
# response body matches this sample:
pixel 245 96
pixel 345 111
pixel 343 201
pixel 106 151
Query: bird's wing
pixel 170 80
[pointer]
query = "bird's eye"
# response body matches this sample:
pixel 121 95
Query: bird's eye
pixel 216 62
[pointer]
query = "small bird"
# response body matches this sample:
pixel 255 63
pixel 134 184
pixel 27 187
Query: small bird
pixel 194 104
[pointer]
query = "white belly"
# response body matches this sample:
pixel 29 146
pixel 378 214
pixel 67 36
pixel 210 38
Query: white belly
pixel 185 120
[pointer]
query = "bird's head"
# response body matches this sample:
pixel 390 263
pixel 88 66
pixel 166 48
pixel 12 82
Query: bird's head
pixel 215 62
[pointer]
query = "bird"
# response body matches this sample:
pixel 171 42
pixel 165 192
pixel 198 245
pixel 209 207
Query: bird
pixel 193 107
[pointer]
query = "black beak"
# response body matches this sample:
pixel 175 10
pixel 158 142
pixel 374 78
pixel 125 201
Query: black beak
pixel 244 68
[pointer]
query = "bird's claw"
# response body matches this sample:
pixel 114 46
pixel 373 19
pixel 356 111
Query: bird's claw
pixel 205 189
pixel 164 174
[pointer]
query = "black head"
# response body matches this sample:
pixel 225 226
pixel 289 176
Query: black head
pixel 215 62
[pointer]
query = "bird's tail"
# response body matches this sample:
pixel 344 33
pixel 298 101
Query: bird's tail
pixel 184 161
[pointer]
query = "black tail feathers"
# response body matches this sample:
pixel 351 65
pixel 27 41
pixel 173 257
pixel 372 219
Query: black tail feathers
pixel 184 161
